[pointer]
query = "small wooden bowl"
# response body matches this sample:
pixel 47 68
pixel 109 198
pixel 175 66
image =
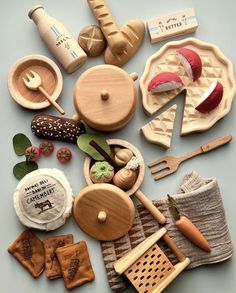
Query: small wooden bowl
pixel 124 144
pixel 50 75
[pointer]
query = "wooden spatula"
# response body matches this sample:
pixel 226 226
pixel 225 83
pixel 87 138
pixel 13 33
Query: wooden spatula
pixel 169 164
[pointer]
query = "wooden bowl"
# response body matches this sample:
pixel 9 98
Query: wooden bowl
pixel 124 144
pixel 51 81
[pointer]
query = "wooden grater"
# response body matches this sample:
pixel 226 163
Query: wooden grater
pixel 148 268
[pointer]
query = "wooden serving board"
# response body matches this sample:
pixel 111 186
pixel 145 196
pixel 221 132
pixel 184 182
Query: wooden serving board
pixel 215 67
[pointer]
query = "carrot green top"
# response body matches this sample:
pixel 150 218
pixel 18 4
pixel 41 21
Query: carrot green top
pixel 173 208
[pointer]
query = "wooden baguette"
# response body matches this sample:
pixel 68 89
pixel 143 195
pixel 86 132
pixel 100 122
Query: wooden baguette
pixel 116 40
pixel 134 32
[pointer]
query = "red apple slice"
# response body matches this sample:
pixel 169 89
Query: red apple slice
pixel 191 62
pixel 211 98
pixel 164 81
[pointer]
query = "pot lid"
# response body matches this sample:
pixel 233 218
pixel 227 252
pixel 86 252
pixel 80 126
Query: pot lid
pixel 105 97
pixel 104 211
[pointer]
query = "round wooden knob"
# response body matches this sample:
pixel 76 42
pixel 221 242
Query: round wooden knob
pixel 134 76
pixel 102 216
pixel 104 95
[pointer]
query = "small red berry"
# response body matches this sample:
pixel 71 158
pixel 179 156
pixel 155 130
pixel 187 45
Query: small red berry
pixel 32 154
pixel 46 148
pixel 64 155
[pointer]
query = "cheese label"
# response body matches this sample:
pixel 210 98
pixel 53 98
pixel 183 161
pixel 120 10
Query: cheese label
pixel 42 199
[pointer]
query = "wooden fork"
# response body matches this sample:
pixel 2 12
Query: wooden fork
pixel 33 82
pixel 169 164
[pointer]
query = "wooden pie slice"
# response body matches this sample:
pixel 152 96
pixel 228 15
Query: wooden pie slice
pixel 104 211
pixel 215 67
pixel 159 130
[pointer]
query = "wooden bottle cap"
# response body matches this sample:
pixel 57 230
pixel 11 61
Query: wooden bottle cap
pixel 105 97
pixel 104 211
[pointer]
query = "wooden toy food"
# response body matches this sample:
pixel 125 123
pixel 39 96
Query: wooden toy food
pixel 163 82
pixel 84 144
pixel 32 154
pixel 159 130
pixel 191 62
pixel 105 97
pixel 172 25
pixel 57 128
pixel 140 169
pixel 104 211
pixel 29 251
pixel 51 81
pixel 125 178
pixel 134 32
pixel 64 155
pixel 215 66
pixel 148 268
pixel 92 40
pixel 43 199
pixel 33 82
pixel 169 164
pixel 75 264
pixel 211 98
pixel 116 40
pixel 51 244
pixel 101 172
pixel 46 148
pixel 186 227
pixel 122 156
pixel 58 40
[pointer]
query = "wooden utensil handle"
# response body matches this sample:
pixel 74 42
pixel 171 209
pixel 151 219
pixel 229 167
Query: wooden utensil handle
pixel 111 31
pixel 220 141
pixel 150 207
pixel 52 102
pixel 171 244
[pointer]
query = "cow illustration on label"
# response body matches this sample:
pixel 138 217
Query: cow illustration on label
pixel 42 205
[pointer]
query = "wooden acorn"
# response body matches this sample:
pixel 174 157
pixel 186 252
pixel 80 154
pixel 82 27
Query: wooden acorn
pixel 126 177
pixel 122 156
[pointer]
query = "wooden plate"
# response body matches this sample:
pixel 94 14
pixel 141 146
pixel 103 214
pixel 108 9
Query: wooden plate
pixel 105 97
pixel 104 211
pixel 136 152
pixel 215 67
pixel 51 81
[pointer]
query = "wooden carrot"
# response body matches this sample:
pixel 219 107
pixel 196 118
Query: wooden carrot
pixel 186 227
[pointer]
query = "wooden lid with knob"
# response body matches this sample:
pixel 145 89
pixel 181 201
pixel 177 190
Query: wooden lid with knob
pixel 104 211
pixel 105 97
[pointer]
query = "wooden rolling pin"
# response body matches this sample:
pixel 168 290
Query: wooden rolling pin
pixel 116 40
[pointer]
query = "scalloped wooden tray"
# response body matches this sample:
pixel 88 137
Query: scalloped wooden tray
pixel 215 66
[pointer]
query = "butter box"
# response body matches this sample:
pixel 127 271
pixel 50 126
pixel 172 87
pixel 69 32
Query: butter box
pixel 171 25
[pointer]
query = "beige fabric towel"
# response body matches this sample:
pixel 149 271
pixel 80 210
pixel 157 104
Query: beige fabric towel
pixel 200 200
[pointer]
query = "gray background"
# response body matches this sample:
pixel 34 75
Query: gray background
pixel 19 38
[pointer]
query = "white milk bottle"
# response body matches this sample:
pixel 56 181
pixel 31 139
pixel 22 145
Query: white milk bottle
pixel 57 38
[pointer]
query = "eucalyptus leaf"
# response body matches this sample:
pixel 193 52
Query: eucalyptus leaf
pixel 83 144
pixel 20 143
pixel 23 168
